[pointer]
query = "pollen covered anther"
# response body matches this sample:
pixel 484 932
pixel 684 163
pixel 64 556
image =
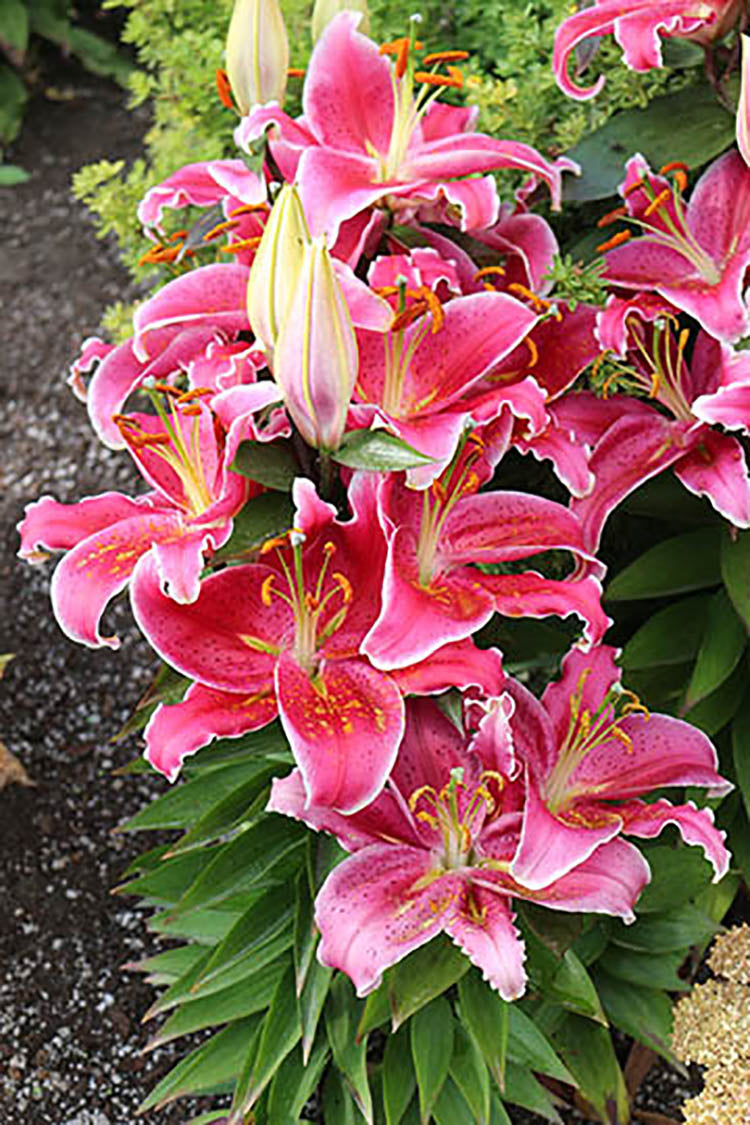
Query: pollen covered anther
pixel 615 240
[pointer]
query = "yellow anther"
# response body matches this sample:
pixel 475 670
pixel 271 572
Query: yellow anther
pixel 345 586
pixel 657 202
pixel 423 791
pixel 265 589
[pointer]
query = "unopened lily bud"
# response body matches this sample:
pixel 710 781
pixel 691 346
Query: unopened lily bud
pixel 325 10
pixel 316 358
pixel 257 53
pixel 276 267
pixel 743 107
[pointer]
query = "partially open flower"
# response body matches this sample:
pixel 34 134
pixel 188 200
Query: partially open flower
pixel 257 53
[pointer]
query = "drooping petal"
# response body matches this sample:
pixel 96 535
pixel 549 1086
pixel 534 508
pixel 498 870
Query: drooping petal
pixel 387 818
pixel 100 566
pixel 177 730
pixel 180 560
pixel 486 934
pixel 457 665
pixel 201 185
pixel 696 826
pixel 551 846
pixel 532 595
pixel 344 725
pixel 717 468
pixel 57 527
pixel 228 638
pixel 370 913
pixel 729 406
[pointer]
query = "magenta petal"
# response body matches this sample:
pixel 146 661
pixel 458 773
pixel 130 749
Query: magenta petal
pixel 49 524
pixel 504 526
pixel 180 561
pixel 432 746
pixel 387 818
pixel 532 595
pixel 457 665
pixel 660 751
pixel 491 942
pixel 348 97
pixel 718 207
pixel 717 468
pixel 608 882
pixel 549 847
pixel 696 826
pixel 533 732
pixel 334 186
pixel 201 185
pixel 587 675
pixel 210 295
pixel 215 638
pixel 180 729
pixel 634 449
pixel 344 726
pixel 728 406
pixel 415 619
pixel 370 915
pixel 99 567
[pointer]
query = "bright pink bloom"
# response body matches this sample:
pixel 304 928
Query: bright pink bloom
pixel 184 456
pixel 437 587
pixel 285 634
pixel 433 853
pixel 364 137
pixel 589 743
pixel 637 26
pixel 633 441
pixel 696 254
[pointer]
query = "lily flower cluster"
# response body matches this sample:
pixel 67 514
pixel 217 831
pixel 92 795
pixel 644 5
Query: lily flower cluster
pixel 374 289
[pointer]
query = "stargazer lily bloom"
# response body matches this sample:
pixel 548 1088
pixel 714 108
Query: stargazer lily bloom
pixel 366 138
pixel 444 546
pixel 631 440
pixel 284 636
pixel 434 851
pixel 591 750
pixel 694 255
pixel 184 455
pixel 638 26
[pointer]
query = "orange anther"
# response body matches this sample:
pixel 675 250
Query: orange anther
pixel 674 166
pixel 612 216
pixel 329 547
pixel 444 56
pixel 177 235
pixel 230 224
pixel 247 209
pixel 344 585
pixel 681 179
pixel 244 244
pixel 523 291
pixel 224 88
pixel 270 544
pixel 189 396
pixel 152 439
pixel 657 202
pixel 616 240
pixel 190 410
pixel 296 71
pixel 399 48
pixel 533 351
pixel 635 186
pixel 489 271
pixel 455 80
pixel 265 589
pixel 166 389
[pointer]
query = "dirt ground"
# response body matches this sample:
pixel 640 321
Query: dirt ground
pixel 70 1032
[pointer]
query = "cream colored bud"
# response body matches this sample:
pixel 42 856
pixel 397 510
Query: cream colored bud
pixel 325 10
pixel 276 267
pixel 257 53
pixel 743 108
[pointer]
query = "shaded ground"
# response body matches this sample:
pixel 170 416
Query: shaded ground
pixel 69 1018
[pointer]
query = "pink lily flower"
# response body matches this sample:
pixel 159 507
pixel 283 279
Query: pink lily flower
pixel 638 25
pixel 632 441
pixel 434 591
pixel 364 137
pixel 694 255
pixel 284 636
pixel 417 378
pixel 588 744
pixel 185 457
pixel 433 853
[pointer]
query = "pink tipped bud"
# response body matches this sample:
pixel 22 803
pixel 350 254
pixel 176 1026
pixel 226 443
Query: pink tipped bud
pixel 316 357
pixel 743 107
pixel 325 10
pixel 276 267
pixel 257 53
